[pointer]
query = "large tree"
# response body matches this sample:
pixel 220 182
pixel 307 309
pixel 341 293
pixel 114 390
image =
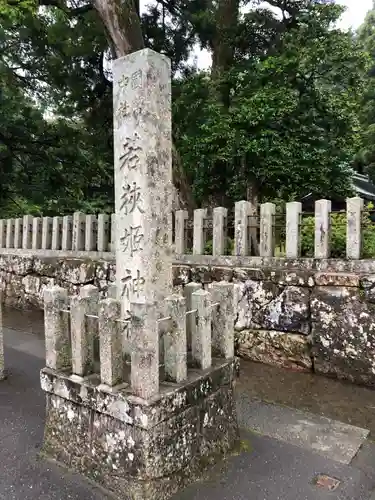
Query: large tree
pixel 290 124
pixel 365 158
pixel 72 77
pixel 275 115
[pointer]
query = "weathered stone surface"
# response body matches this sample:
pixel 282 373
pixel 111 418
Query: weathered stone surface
pixel 336 279
pixel 131 409
pixel 143 177
pixel 242 274
pixel 297 277
pixel 102 270
pixel 288 350
pixel 45 266
pixel 221 274
pixel 25 276
pixel 343 331
pixel 264 305
pixel 366 266
pixel 77 271
pixel 136 450
pixel 291 278
pixel 17 264
pixel 367 284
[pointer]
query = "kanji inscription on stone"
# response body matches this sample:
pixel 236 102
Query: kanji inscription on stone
pixel 129 158
pixel 143 177
pixel 131 199
pixel 136 79
pixel 132 239
pixel 132 284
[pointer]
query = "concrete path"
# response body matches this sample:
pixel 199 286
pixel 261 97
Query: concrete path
pixel 281 461
pixel 331 439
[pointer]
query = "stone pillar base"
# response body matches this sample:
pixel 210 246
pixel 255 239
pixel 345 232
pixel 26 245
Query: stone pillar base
pixel 138 449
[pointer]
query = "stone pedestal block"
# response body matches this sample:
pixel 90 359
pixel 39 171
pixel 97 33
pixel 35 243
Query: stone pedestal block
pixel 139 449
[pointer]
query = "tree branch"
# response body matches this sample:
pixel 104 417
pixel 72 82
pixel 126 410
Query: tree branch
pixel 76 11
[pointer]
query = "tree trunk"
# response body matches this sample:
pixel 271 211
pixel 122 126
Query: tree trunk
pixel 227 15
pixel 124 32
pixel 223 52
pixel 122 25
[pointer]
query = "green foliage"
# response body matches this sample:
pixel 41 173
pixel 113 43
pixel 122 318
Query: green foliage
pixel 14 10
pixel 51 163
pixel 365 157
pixel 281 112
pixel 292 123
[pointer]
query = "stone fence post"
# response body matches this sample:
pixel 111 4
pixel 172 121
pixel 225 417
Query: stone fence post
pixel 219 232
pixel 223 318
pixel 47 233
pixel 242 211
pixel 267 229
pixel 201 338
pixel 56 327
pixel 111 362
pixel 322 229
pixel 86 303
pixel 18 224
pixel 180 243
pixel 36 239
pixel 175 342
pixel 293 230
pixel 67 233
pixel 103 232
pixel 354 208
pixel 57 225
pixel 27 231
pixel 199 242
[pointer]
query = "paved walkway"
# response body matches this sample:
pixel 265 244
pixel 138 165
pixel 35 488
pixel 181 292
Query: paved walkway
pixel 279 461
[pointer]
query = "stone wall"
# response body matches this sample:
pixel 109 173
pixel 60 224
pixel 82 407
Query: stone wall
pixel 305 315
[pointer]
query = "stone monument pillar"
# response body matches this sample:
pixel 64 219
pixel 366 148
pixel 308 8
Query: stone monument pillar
pixel 143 178
pixel 142 437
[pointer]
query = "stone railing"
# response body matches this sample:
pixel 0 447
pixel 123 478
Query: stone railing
pixel 87 335
pixel 78 232
pixel 305 314
pixel 124 415
pixel 281 303
pixel 253 233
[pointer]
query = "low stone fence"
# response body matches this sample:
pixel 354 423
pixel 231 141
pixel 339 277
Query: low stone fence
pixel 304 314
pixel 249 229
pixel 114 411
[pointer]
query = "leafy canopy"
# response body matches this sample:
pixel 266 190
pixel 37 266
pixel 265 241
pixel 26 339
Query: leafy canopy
pixel 279 112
